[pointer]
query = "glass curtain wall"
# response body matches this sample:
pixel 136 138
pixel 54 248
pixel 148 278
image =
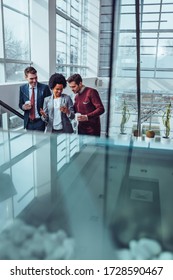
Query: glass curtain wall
pixel 71 36
pixel 15 42
pixel 155 42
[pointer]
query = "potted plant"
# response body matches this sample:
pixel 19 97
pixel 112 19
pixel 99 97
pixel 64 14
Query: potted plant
pixel 166 122
pixel 150 133
pixel 124 119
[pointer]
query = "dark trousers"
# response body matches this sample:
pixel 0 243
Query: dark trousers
pixel 36 124
pixel 57 131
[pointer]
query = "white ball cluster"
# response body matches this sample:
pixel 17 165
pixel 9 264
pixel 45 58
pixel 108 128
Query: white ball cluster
pixel 143 249
pixel 22 241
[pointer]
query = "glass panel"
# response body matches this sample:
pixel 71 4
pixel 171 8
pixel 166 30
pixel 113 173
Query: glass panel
pixel 127 39
pixel 76 10
pixel 128 9
pixel 74 70
pixel 155 66
pixel 164 74
pixel 147 74
pixel 167 6
pixel 127 22
pixel 24 183
pixel 165 62
pixel 151 8
pixel 150 17
pixel 85 13
pixel 21 6
pixel 148 50
pixel 1 36
pixel 2 70
pixel 9 120
pixel 16 35
pixel 62 70
pixel 6 191
pixel 167 42
pixel 62 5
pixel 150 25
pixel 61 41
pixel 126 2
pixel 148 41
pixel 83 59
pixel 148 61
pixel 127 199
pixel 17 146
pixel 167 21
pixel 71 44
pixel 74 45
pixel 83 73
pixel 153 2
pixel 14 72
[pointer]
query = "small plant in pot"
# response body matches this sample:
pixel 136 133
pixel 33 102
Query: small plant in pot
pixel 166 121
pixel 125 118
pixel 150 133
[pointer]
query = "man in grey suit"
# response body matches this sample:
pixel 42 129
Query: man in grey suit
pixel 31 97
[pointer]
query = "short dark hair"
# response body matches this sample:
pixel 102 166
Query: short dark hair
pixel 75 78
pixel 30 70
pixel 57 79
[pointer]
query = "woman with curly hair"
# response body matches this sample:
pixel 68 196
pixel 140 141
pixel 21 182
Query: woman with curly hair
pixel 58 108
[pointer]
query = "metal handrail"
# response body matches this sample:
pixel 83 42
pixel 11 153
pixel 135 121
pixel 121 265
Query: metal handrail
pixel 6 106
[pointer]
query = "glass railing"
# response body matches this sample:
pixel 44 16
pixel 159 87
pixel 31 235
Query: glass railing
pixel 10 119
pixel 70 197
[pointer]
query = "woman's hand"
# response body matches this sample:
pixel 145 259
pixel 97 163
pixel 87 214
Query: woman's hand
pixel 42 112
pixel 65 110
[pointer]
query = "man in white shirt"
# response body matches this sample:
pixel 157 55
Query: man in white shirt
pixel 32 116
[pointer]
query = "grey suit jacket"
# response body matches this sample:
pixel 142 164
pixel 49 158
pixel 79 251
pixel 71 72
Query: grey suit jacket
pixel 48 108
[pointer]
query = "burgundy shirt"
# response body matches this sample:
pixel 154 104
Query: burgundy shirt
pixel 88 103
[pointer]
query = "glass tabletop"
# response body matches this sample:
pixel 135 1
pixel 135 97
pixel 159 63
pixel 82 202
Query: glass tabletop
pixel 78 197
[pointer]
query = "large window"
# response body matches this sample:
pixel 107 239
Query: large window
pixel 15 34
pixel 71 36
pixel 156 39
pixel 155 44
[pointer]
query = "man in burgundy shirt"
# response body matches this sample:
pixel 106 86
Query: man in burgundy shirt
pixel 87 102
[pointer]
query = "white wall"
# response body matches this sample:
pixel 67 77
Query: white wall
pixel 9 93
pixel 43 38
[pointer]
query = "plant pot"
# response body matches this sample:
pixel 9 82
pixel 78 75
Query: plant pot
pixel 165 140
pixel 150 133
pixel 136 133
pixel 123 136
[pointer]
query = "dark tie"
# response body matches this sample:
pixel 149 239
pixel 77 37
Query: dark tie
pixel 32 110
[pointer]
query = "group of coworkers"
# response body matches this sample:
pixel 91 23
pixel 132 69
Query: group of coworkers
pixel 47 108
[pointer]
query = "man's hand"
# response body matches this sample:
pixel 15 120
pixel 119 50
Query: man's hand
pixel 26 106
pixel 82 118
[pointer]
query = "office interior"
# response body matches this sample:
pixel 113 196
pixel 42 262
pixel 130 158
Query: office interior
pixel 80 197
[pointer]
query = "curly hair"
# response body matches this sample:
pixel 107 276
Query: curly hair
pixel 57 79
